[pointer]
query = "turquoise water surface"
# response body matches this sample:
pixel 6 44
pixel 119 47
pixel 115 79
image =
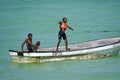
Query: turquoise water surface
pixel 91 19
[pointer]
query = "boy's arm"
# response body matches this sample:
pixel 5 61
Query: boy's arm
pixel 22 45
pixel 70 28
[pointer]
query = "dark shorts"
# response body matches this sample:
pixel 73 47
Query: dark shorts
pixel 62 35
pixel 30 49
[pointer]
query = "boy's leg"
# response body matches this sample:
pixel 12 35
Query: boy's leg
pixel 66 41
pixel 66 44
pixel 58 44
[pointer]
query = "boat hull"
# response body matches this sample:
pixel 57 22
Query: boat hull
pixel 85 50
pixel 99 52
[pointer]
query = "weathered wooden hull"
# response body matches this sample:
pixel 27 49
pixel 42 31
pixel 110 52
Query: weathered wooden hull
pixel 51 55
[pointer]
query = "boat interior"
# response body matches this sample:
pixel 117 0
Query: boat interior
pixel 86 45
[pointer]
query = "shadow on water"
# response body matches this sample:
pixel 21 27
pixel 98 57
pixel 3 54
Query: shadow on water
pixel 55 65
pixel 104 31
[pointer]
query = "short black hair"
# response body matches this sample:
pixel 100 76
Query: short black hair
pixel 29 34
pixel 64 18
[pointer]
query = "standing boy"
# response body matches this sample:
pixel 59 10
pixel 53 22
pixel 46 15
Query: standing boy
pixel 63 26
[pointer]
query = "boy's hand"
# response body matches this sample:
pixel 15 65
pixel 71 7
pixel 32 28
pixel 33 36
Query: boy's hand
pixel 72 29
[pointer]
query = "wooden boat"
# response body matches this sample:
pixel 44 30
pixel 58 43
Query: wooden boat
pixel 84 50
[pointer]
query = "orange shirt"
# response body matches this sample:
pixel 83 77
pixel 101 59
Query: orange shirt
pixel 63 26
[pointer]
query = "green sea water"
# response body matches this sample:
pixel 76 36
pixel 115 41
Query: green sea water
pixel 90 19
